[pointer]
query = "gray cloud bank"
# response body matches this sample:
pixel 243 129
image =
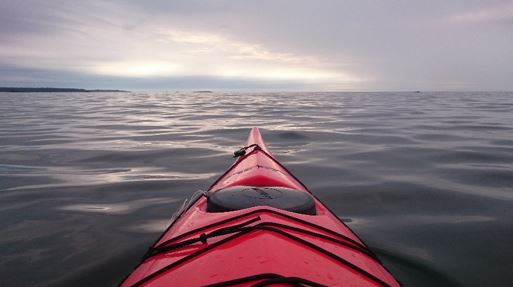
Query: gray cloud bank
pixel 269 45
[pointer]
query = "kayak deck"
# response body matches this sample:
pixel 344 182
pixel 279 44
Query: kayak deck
pixel 260 244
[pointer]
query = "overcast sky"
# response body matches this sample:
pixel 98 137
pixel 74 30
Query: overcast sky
pixel 258 45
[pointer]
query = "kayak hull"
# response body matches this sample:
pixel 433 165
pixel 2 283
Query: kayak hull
pixel 259 244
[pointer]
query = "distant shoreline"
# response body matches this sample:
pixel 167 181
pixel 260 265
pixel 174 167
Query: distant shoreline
pixel 53 90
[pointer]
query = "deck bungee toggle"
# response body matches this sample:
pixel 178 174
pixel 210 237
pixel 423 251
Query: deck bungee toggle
pixel 258 225
pixel 242 150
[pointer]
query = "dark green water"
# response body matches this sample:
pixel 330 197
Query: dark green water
pixel 88 181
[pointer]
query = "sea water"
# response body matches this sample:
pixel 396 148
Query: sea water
pixel 89 180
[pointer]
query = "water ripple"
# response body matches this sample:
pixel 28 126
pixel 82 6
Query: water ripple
pixel 425 178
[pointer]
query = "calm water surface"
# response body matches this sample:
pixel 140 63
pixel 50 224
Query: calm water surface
pixel 88 181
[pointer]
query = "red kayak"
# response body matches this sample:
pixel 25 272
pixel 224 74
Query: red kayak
pixel 258 225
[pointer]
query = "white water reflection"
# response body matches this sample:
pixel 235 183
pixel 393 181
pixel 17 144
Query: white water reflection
pixel 149 226
pixel 415 220
pixel 118 207
pixel 69 176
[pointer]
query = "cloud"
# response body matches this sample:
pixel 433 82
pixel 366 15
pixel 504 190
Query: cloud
pixel 327 45
pixel 499 13
pixel 101 42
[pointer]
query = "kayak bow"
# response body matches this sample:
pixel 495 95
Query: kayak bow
pixel 258 225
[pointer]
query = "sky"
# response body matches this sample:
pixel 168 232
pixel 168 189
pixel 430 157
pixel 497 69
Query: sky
pixel 289 45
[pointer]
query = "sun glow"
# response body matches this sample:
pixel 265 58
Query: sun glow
pixel 177 53
pixel 160 51
pixel 137 69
